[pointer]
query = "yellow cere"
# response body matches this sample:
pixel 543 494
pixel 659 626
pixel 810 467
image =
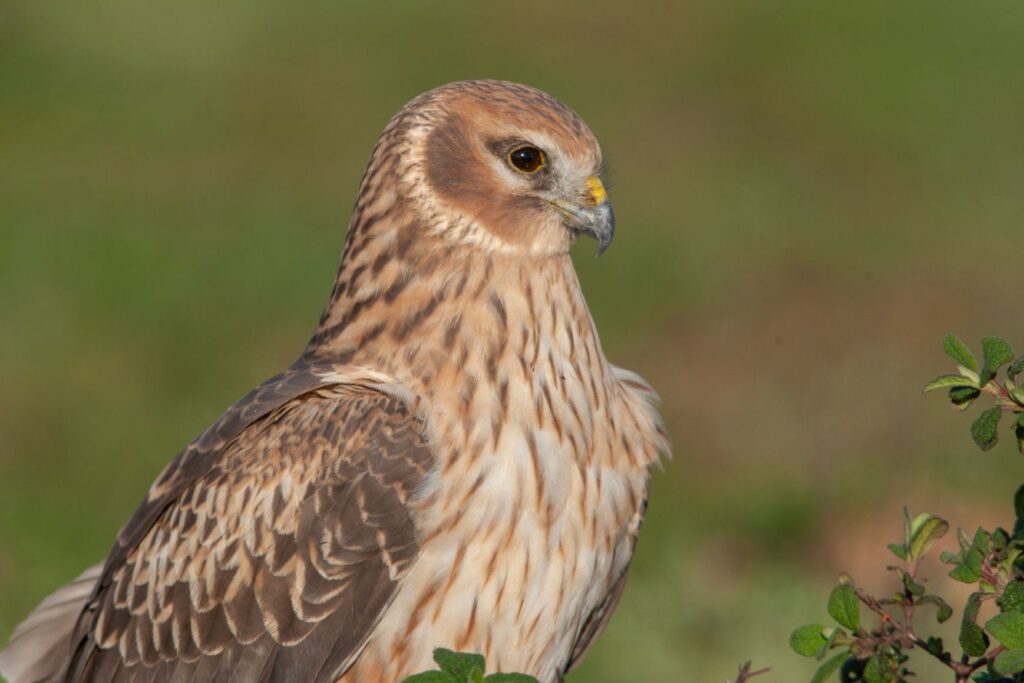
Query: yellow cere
pixel 597 191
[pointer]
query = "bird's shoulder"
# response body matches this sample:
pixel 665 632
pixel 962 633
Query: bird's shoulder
pixel 295 399
pixel 291 509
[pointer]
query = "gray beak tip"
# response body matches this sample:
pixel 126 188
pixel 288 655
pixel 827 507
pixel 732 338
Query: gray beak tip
pixel 600 225
pixel 594 221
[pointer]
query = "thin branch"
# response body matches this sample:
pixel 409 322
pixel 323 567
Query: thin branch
pixel 963 668
pixel 746 674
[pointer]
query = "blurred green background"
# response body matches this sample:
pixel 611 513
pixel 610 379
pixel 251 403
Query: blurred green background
pixel 810 195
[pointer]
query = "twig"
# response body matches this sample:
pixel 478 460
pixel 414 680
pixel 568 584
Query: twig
pixel 746 674
pixel 963 669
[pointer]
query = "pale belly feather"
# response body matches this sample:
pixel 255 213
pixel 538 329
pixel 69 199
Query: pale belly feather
pixel 513 562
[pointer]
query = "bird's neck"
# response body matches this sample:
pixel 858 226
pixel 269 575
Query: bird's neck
pixel 430 317
pixel 501 351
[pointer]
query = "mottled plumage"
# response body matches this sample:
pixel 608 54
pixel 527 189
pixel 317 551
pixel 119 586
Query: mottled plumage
pixel 451 463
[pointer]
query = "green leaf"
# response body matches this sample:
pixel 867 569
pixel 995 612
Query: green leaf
pixel 969 570
pixel 874 671
pixel 915 523
pixel 1008 629
pixel 1017 395
pixel 1018 431
pixel 964 574
pixel 1018 502
pixel 899 550
pixel 944 610
pixel 912 586
pixel 996 352
pixel 808 639
pixel 1016 367
pixel 925 531
pixel 973 638
pixel 510 678
pixel 843 606
pixel 459 664
pixel 1010 662
pixel 982 542
pixel 944 381
pixel 1000 538
pixel 961 397
pixel 959 352
pixel 935 646
pixel 1012 599
pixel 830 666
pixel 985 429
pixel 432 677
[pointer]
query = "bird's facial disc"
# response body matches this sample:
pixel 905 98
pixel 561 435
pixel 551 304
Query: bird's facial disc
pixel 528 186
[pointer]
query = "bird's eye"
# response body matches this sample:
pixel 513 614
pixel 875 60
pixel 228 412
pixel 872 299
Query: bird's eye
pixel 526 159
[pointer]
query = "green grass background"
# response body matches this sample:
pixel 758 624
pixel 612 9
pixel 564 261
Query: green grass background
pixel 809 196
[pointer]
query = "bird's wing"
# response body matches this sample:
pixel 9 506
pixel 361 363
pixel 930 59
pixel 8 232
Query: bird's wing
pixel 269 549
pixel 602 614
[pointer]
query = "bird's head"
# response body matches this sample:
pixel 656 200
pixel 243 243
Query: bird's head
pixel 506 168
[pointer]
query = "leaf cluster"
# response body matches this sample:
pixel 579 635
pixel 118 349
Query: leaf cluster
pixel 464 667
pixel 972 379
pixel 991 561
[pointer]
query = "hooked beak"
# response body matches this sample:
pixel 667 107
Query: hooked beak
pixel 594 218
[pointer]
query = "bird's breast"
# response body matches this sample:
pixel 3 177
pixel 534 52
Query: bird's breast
pixel 524 530
pixel 542 463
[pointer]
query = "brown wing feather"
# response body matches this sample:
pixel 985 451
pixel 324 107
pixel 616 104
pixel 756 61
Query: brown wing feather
pixel 599 618
pixel 269 549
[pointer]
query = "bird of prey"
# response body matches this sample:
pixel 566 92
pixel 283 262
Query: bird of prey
pixel 452 461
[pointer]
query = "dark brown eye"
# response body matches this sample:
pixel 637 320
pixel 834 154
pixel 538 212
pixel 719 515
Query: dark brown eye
pixel 526 159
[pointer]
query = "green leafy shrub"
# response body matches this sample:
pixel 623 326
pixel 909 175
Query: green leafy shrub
pixel 875 647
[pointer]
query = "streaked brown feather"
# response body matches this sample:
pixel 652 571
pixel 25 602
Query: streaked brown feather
pixel 272 544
